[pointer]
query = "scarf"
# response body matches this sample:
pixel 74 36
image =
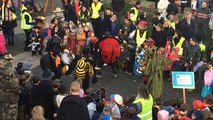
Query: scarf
pixel 8 14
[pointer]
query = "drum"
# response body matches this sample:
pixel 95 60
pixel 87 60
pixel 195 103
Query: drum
pixel 66 58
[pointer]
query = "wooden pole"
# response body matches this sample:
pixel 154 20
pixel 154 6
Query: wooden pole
pixel 184 95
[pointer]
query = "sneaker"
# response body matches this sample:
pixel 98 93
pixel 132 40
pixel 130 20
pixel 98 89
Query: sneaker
pixel 115 76
pixel 105 65
pixel 139 71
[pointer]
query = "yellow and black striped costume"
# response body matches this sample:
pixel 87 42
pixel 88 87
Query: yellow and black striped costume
pixel 83 68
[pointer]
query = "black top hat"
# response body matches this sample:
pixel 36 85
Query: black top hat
pixel 47 75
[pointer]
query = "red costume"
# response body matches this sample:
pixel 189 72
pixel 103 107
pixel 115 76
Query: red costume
pixel 110 50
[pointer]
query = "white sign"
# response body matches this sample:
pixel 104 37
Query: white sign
pixel 184 79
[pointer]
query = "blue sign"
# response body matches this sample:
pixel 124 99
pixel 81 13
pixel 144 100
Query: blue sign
pixel 183 80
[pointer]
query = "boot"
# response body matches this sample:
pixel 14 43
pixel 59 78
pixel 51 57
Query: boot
pixel 9 42
pixel 40 53
pixel 12 43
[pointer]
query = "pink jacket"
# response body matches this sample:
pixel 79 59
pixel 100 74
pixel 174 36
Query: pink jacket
pixel 208 77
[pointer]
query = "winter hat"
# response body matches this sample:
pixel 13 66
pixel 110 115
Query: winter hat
pixel 197 104
pixel 143 22
pixel 163 115
pixel 118 99
pixel 169 109
pixel 112 97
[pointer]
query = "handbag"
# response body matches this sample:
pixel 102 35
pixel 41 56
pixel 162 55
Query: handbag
pixel 207 89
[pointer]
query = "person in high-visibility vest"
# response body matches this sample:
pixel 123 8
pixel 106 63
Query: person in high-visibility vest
pixel 96 7
pixel 144 101
pixel 140 34
pixel 26 24
pixel 179 41
pixel 134 12
pixel 83 15
pixel 23 5
pixel 9 21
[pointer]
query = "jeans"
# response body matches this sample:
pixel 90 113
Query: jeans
pixel 203 33
pixel 9 36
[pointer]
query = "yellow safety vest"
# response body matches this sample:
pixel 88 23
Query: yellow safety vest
pixel 202 47
pixel 146 113
pixel 22 9
pixel 179 45
pixel 13 14
pixel 133 17
pixel 82 17
pixel 24 25
pixel 95 10
pixel 173 25
pixel 140 40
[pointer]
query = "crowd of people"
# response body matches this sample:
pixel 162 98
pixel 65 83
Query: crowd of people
pixel 83 36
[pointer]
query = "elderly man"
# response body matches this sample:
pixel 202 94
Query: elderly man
pixel 9 88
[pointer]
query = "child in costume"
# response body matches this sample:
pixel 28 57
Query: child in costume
pixel 208 78
pixel 36 40
pixel 139 56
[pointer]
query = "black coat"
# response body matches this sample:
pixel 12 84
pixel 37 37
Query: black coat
pixel 157 20
pixel 105 23
pixel 117 5
pixel 160 38
pixel 73 107
pixel 188 30
pixel 69 13
pixel 192 52
pixel 169 33
pixel 43 94
pixel 45 62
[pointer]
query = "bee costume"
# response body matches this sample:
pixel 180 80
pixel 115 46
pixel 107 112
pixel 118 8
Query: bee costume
pixel 84 68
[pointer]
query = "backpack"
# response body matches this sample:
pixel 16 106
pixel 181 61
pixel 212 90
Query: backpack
pixel 109 49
